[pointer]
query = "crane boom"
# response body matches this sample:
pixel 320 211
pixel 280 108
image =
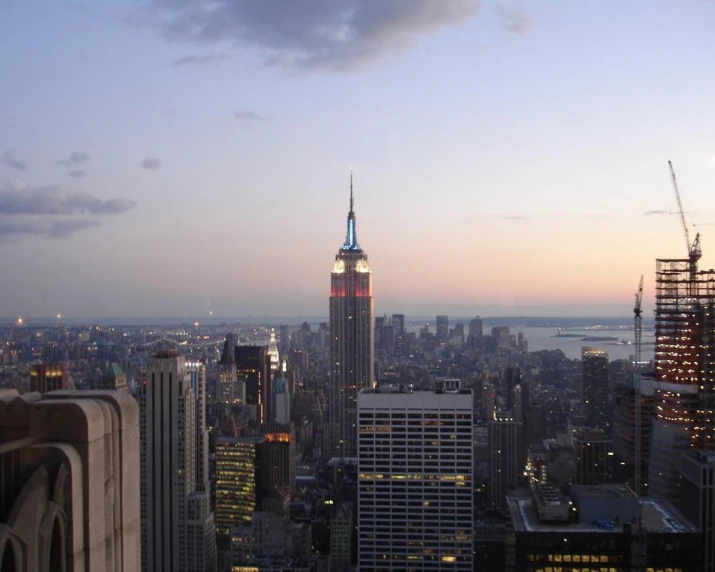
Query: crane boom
pixel 680 207
pixel 638 329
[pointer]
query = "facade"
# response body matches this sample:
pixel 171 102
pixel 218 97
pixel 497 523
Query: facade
pixel 699 499
pixel 596 391
pixel 415 492
pixel 70 497
pixel 684 398
pixel 177 525
pixel 239 466
pixel 48 377
pixel 600 528
pixel 352 347
pixel 594 457
pixel 507 457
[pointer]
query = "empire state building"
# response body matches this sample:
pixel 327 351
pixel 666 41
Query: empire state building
pixel 351 339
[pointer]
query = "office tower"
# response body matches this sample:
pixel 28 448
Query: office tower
pixel 240 464
pixel 227 380
pixel 442 331
pixel 48 377
pixel 399 335
pixel 518 403
pixel 253 371
pixel 279 457
pixel 507 458
pixel 699 499
pixel 273 355
pixel 594 457
pixel 113 378
pixel 512 378
pixel 284 346
pixel 684 398
pixel 501 337
pixel 624 427
pixel 281 400
pixel 415 489
pixel 596 391
pixel 534 423
pixel 177 525
pixel 351 338
pixel 197 376
pixel 379 325
pixel 69 493
pixel 605 528
pixel 487 399
pixel 341 531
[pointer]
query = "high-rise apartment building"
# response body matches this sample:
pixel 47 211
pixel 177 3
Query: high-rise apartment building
pixel 684 398
pixel 352 347
pixel 507 457
pixel 596 391
pixel 442 331
pixel 48 377
pixel 415 490
pixel 177 526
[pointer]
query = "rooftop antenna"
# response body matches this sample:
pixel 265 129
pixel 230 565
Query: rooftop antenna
pixel 351 189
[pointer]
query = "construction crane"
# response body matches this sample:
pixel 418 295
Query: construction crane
pixel 638 328
pixel 694 251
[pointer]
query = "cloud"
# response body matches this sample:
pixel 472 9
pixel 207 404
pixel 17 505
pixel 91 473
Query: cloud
pixel 77 173
pixel 513 20
pixel 53 200
pixel 75 158
pixel 659 213
pixel 250 116
pixel 49 228
pixel 712 161
pixel 515 217
pixel 9 159
pixel 328 35
pixel 51 211
pixel 194 60
pixel 151 163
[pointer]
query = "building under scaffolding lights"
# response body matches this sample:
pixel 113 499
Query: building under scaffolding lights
pixel 684 397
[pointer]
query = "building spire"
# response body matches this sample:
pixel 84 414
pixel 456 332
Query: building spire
pixel 351 238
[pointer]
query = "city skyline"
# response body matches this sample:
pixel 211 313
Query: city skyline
pixel 510 158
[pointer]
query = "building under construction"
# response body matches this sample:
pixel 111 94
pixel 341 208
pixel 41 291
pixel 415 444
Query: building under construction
pixel 684 384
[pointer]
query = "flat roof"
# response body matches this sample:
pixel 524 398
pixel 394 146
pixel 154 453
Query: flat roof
pixel 657 516
pixel 602 491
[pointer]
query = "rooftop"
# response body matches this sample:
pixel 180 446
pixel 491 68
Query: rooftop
pixel 658 517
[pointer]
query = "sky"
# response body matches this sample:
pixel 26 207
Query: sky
pixel 175 158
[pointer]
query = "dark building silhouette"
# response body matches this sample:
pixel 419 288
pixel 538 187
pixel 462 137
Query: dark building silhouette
pixel 48 377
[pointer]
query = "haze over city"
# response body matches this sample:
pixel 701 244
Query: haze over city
pixel 510 158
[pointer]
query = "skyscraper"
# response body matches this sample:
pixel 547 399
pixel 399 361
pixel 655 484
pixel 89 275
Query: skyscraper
pixel 48 377
pixel 227 380
pixel 253 370
pixel 197 376
pixel 442 331
pixel 596 393
pixel 351 339
pixel 177 526
pixel 507 458
pixel 415 489
pixel 684 398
